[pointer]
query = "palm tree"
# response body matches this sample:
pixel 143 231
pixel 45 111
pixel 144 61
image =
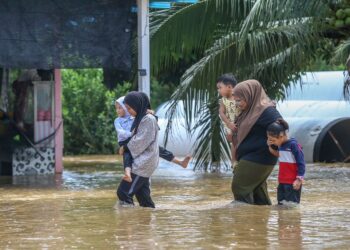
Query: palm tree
pixel 269 40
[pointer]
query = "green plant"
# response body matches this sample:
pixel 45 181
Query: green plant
pixel 88 112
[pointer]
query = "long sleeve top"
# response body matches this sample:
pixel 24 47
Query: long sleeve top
pixel 122 126
pixel 144 148
pixel 253 147
pixel 291 162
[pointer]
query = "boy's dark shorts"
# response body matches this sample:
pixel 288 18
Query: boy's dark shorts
pixel 287 193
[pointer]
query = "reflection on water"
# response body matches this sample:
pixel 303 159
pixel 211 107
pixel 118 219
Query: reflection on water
pixel 194 210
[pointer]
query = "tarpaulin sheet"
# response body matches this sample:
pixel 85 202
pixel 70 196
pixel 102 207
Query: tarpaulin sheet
pixel 66 33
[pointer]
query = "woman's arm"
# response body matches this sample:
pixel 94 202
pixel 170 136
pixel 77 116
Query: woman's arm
pixel 269 116
pixel 146 134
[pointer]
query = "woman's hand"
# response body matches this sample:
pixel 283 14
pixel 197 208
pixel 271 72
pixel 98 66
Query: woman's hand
pixel 150 111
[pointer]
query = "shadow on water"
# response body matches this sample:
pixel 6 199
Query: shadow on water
pixel 194 210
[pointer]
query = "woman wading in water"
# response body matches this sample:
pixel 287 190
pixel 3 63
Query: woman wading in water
pixel 254 161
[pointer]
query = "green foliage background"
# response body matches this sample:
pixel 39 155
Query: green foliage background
pixel 88 110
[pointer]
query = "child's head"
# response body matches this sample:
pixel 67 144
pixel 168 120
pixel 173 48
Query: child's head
pixel 120 108
pixel 277 132
pixel 225 84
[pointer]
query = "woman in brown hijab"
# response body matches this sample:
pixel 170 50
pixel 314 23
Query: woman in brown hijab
pixel 255 162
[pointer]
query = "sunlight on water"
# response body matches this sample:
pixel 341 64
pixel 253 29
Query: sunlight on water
pixel 194 211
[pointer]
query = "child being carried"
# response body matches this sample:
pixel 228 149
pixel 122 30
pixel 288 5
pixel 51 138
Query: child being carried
pixel 123 124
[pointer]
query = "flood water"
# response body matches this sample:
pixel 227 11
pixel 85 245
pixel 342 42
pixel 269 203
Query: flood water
pixel 193 211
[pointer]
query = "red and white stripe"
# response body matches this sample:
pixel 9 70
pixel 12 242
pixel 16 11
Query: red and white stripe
pixel 287 157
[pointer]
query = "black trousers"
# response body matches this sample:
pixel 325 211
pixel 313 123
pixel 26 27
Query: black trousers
pixel 140 187
pixel 286 192
pixel 166 154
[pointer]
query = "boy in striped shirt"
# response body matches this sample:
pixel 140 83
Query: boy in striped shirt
pixel 291 162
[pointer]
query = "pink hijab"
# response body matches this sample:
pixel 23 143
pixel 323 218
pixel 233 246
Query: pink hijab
pixel 253 93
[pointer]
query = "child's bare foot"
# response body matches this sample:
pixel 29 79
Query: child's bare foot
pixel 127 178
pixel 185 161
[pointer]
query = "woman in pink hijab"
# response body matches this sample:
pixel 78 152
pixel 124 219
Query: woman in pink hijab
pixel 254 161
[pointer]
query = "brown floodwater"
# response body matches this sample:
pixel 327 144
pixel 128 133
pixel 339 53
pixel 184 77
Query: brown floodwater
pixel 193 211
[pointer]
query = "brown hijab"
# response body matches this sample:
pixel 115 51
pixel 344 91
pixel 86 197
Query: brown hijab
pixel 253 93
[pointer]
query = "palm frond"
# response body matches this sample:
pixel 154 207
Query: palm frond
pixel 269 40
pixel 270 13
pixel 272 49
pixel 281 70
pixel 342 52
pixel 192 28
pixel 211 140
pixel 341 55
pixel 223 57
pixel 346 88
